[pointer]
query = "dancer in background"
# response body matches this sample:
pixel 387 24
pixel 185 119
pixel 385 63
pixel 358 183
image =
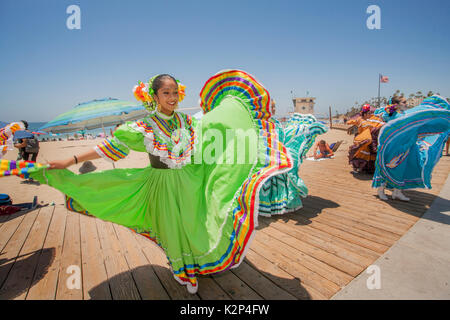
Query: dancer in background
pixel 410 145
pixel 362 153
pixel 283 192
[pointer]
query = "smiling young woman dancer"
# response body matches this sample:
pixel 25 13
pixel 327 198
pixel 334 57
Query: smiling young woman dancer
pixel 195 200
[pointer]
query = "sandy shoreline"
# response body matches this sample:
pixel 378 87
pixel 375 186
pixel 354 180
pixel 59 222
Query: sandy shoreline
pixel 21 192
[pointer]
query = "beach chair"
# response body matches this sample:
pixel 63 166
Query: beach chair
pixel 335 146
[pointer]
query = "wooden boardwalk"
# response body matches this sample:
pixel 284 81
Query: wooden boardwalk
pixel 310 254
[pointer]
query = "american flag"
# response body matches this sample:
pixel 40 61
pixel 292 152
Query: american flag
pixel 384 79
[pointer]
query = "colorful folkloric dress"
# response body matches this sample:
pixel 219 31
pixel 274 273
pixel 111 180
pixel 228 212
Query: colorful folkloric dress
pixel 199 198
pixel 282 193
pixel 363 152
pixel 411 144
pixel 7 135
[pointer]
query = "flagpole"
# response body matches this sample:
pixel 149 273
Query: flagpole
pixel 379 82
pixel 331 120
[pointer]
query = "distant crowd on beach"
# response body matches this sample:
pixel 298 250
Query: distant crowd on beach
pixel 74 138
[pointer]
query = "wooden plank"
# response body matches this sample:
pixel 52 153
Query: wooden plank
pixel 370 222
pixel 235 287
pixel 210 290
pixel 14 245
pixel 382 219
pixel 390 212
pixel 291 284
pixel 260 284
pixel 308 277
pixel 357 224
pixel 148 284
pixel 373 215
pixel 360 241
pixel 45 280
pixel 4 219
pixel 416 205
pixel 366 192
pixel 160 264
pixel 9 227
pixel 387 216
pixel 306 253
pixel 95 278
pixel 328 215
pixel 373 207
pixel 331 242
pixel 120 279
pixel 71 258
pixel 335 269
pixel 20 276
pixel 351 227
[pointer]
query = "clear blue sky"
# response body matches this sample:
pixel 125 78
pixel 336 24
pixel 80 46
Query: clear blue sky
pixel 323 47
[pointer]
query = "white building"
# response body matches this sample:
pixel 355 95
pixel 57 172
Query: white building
pixel 304 105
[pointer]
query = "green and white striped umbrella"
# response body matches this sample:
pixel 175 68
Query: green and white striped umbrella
pixel 95 114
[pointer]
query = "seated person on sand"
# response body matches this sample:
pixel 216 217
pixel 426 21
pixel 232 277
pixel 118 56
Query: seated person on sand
pixel 324 150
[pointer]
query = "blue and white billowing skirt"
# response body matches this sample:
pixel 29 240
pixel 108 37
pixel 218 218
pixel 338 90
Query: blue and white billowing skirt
pixel 410 146
pixel 282 193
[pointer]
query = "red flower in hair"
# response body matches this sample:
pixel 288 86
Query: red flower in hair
pixel 366 108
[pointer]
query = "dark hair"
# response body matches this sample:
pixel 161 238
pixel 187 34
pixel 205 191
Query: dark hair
pixel 25 123
pixel 158 82
pixel 322 141
pixel 396 99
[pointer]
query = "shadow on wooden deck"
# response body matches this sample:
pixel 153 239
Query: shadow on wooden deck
pixel 17 284
pixel 114 289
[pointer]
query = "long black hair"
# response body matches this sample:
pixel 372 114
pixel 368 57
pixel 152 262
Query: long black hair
pixel 396 99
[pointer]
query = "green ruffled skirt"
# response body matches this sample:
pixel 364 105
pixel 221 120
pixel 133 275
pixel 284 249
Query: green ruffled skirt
pixel 203 215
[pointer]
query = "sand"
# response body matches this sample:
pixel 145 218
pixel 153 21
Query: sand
pixel 21 192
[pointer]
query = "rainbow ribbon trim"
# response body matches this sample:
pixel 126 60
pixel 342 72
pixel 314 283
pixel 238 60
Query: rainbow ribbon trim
pixel 72 205
pixel 19 168
pixel 236 83
pixel 110 149
pixel 276 160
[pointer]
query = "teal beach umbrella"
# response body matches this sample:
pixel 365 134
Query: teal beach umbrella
pixel 95 114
